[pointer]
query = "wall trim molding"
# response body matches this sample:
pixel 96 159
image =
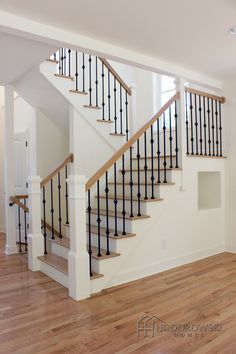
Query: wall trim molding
pixel 161 266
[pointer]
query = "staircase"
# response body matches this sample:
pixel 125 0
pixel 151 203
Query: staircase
pixel 126 197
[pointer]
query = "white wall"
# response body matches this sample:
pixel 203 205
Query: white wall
pixel 230 127
pixel 2 213
pixel 52 146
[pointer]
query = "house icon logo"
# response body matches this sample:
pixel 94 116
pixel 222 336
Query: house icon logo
pixel 149 326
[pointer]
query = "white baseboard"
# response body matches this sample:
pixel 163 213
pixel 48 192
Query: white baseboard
pixel 230 248
pixel 161 266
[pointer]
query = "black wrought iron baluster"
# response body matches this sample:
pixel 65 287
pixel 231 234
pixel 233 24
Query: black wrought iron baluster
pixel 164 146
pixel 99 219
pixel 186 122
pixel 152 162
pixel 145 166
pixel 19 229
pixel 96 80
pixel 66 196
pixel 196 123
pixel 204 125
pixel 123 194
pixel 213 128
pixel 107 216
pixel 220 129
pixel 44 221
pixel 83 69
pixel 90 80
pixel 139 189
pixel 59 203
pixel 52 209
pixel 191 120
pixel 131 182
pixel 69 61
pixel 62 62
pixel 200 122
pixel 126 117
pixel 170 138
pixel 76 72
pixel 54 56
pixel 158 152
pixel 121 111
pixel 217 132
pixel 209 126
pixel 109 94
pixel 25 229
pixel 176 137
pixel 115 200
pixel 103 93
pixel 115 108
pixel 90 252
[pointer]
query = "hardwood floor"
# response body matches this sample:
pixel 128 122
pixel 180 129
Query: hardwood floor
pixel 37 316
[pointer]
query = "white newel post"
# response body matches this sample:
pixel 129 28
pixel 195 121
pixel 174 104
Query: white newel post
pixel 35 237
pixel 9 166
pixel 181 126
pixel 78 258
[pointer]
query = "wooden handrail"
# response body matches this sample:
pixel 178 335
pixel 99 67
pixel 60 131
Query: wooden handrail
pixel 118 78
pixel 16 201
pixel 205 94
pixel 129 143
pixel 70 158
pixel 21 196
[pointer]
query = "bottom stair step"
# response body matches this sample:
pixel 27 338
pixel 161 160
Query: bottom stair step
pixel 61 263
pixel 56 262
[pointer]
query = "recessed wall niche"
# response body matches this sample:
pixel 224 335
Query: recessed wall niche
pixel 209 190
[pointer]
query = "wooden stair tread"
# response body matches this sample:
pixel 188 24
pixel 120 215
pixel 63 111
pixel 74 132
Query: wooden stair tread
pixel 56 262
pixel 64 242
pixel 206 156
pixel 53 61
pixel 154 157
pixel 64 76
pixel 93 107
pixel 105 121
pixel 119 215
pixel 80 92
pixel 94 230
pixel 143 184
pixel 96 275
pixel 120 197
pixel 103 254
pixel 117 134
pixel 155 169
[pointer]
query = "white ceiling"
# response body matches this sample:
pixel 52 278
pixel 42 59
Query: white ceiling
pixel 190 33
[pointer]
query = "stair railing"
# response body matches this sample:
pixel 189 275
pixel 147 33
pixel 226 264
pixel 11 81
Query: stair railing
pixel 21 202
pixel 203 123
pixel 95 77
pixel 55 208
pixel 150 154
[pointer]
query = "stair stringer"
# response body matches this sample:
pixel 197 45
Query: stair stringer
pixel 110 268
pixel 90 115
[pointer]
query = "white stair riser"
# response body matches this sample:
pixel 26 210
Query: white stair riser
pixel 101 266
pixel 119 190
pixel 149 163
pixel 59 250
pixel 142 176
pixel 113 243
pixel 53 273
pixel 120 206
pixel 129 223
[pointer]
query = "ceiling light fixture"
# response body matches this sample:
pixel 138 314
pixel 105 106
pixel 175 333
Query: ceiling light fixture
pixel 232 31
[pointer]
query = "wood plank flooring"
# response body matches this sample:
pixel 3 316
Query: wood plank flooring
pixel 37 316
